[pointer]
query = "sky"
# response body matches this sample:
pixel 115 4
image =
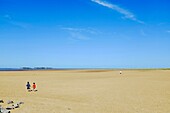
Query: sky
pixel 85 33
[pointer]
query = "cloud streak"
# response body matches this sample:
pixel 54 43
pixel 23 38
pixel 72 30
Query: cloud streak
pixel 78 33
pixel 87 30
pixel 127 14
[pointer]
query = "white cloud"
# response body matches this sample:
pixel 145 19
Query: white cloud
pixel 126 13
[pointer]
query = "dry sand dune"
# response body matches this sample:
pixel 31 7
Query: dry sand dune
pixel 86 91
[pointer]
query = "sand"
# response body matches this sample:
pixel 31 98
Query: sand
pixel 86 91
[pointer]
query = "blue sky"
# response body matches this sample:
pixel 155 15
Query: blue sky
pixel 85 33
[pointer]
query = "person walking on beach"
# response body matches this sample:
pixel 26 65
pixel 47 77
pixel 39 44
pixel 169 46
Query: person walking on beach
pixel 28 86
pixel 34 86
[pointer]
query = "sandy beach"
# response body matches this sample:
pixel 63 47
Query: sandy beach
pixel 88 91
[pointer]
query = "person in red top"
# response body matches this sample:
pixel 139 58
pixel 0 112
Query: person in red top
pixel 34 86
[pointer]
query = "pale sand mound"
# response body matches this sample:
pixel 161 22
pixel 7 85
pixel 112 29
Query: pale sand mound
pixel 140 91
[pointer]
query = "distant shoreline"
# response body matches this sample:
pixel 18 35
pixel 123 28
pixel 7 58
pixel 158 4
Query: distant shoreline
pixel 55 69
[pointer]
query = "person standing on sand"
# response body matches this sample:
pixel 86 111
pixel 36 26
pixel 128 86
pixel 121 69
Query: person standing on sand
pixel 28 86
pixel 34 86
pixel 120 72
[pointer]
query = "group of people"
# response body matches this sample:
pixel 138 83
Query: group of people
pixel 29 86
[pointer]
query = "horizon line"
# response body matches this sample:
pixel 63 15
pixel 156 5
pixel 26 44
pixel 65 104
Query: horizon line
pixel 46 69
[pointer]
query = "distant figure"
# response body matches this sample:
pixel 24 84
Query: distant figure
pixel 120 72
pixel 28 86
pixel 34 86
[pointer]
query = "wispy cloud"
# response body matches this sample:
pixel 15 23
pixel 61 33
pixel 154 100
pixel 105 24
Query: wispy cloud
pixel 78 36
pixel 127 14
pixel 80 33
pixel 76 33
pixel 87 30
pixel 168 31
pixel 20 24
pixel 8 18
pixel 142 32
